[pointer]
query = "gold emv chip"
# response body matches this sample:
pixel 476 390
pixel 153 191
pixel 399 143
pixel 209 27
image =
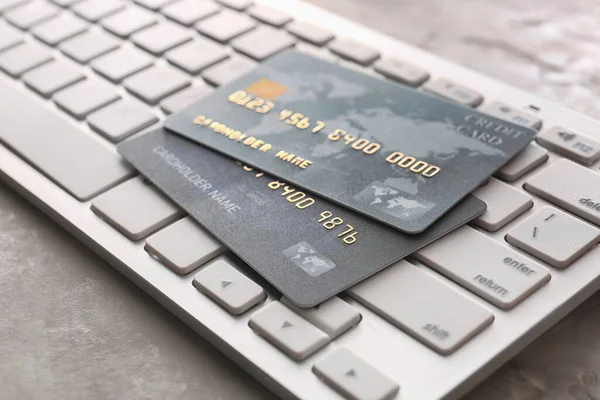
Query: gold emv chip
pixel 267 89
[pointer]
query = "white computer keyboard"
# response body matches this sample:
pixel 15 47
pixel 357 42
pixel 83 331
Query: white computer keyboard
pixel 77 77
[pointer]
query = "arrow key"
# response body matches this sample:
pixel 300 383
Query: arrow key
pixel 228 287
pixel 353 377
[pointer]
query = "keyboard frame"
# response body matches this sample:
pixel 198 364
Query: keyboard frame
pixel 421 373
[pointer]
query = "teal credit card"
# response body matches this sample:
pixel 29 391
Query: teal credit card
pixel 397 155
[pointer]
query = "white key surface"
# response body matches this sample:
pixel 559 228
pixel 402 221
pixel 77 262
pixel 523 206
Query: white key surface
pixel 452 91
pixel 185 98
pixel 239 5
pixel 333 316
pixel 225 26
pixel 263 42
pixel 354 51
pixel 55 146
pixel 31 13
pixel 444 319
pixel 89 45
pixel 94 10
pixel 573 145
pixel 187 12
pixel 52 77
pixel 9 36
pixel 401 71
pixel 196 55
pixel 129 21
pixel 60 28
pixel 228 70
pixel 495 272
pixel 135 208
pixel 22 58
pixel 528 159
pixel 511 114
pixel 6 5
pixel 569 186
pixel 156 83
pixel 354 378
pixel 504 204
pixel 228 287
pixel 85 97
pixel 184 246
pixel 119 64
pixel 554 236
pixel 309 32
pixel 270 15
pixel 287 331
pixel 154 4
pixel 121 119
pixel 161 37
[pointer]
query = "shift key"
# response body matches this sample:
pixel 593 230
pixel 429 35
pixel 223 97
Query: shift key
pixel 570 186
pixel 493 271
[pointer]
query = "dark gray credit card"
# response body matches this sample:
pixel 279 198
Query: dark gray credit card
pixel 308 248
pixel 395 154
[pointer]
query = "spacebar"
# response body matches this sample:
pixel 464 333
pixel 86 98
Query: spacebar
pixel 76 162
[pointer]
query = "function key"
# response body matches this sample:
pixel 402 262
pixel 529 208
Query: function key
pixel 353 377
pixel 453 91
pixel 287 331
pixel 354 51
pixel 553 236
pixel 510 114
pixel 573 145
pixel 228 287
pixel 402 72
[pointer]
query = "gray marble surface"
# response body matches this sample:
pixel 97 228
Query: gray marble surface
pixel 73 328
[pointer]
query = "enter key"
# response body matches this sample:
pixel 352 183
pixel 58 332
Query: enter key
pixel 489 269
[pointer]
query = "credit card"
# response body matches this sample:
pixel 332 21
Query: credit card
pixel 308 248
pixel 395 154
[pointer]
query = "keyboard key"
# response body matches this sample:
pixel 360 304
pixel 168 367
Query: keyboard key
pixel 58 29
pixel 121 119
pixel 508 113
pixel 52 77
pixel 187 12
pixel 553 236
pixel 452 91
pixel 493 271
pixel 402 72
pixel 6 5
pixel 569 186
pixel 65 3
pixel 120 64
pixel 183 246
pixel 577 147
pixel 504 204
pixel 31 14
pixel 262 43
pixel 270 15
pixel 333 316
pixel 85 97
pixel 354 378
pixel 95 10
pixel 129 21
pixel 531 157
pixel 183 99
pixel 228 287
pixel 23 58
pixel 9 37
pixel 161 37
pixel 287 331
pixel 86 47
pixel 239 5
pixel 310 33
pixel 196 55
pixel 422 306
pixel 354 51
pixel 156 83
pixel 225 26
pixel 154 4
pixel 135 208
pixel 54 146
pixel 228 70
